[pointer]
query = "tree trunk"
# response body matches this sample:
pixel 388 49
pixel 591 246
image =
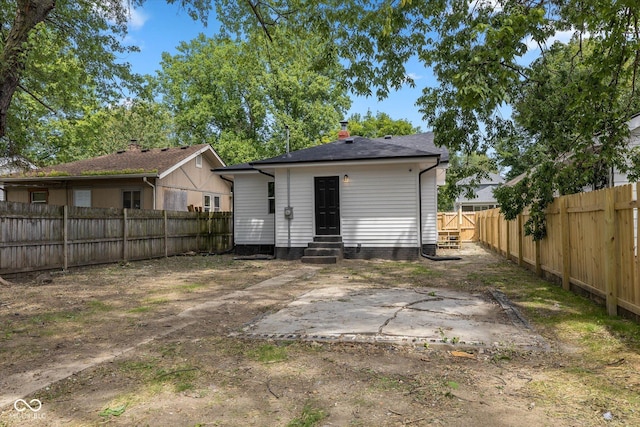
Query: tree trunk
pixel 29 13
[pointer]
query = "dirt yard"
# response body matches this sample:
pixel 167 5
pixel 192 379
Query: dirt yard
pixel 152 343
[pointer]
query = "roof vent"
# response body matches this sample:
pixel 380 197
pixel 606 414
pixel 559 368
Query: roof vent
pixel 120 151
pixel 144 150
pixel 387 137
pixel 165 149
pixel 184 147
pixel 348 141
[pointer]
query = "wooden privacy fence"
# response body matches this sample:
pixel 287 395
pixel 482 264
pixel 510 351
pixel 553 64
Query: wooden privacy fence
pixel 41 237
pixel 462 222
pixel 591 244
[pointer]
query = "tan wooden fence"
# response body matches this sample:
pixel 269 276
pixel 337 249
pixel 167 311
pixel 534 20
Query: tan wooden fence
pixel 591 244
pixel 41 237
pixel 462 222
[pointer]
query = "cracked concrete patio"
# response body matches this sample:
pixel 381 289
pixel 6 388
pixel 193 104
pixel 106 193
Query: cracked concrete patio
pixel 422 316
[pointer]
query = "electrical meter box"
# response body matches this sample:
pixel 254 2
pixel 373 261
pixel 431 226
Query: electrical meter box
pixel 288 212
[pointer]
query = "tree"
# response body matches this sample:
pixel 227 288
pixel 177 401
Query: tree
pixel 559 120
pixel 477 51
pixel 88 31
pixel 377 126
pixel 239 95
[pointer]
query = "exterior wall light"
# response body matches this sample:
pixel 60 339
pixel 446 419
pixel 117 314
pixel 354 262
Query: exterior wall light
pixel 346 178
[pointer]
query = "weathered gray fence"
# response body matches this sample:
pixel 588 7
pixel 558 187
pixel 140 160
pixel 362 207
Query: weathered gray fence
pixel 42 237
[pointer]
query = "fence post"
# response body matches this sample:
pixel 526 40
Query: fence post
pixel 499 233
pixel 520 226
pixel 508 249
pixel 610 279
pixel 65 237
pixel 566 250
pixel 460 225
pixel 166 233
pixel 125 232
pixel 538 261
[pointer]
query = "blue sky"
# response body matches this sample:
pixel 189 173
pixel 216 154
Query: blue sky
pixel 159 27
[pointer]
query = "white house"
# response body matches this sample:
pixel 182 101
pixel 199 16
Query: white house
pixel 483 193
pixel 376 198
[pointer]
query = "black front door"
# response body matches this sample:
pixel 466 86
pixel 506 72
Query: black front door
pixel 327 205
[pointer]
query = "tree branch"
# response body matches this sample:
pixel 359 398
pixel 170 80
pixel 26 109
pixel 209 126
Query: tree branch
pixel 38 100
pixel 259 17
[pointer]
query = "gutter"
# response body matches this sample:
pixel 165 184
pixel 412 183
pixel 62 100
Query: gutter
pixel 420 203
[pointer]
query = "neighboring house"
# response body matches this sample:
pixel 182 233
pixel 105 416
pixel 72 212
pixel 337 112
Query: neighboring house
pixel 169 178
pixel 610 177
pixel 618 178
pixel 377 196
pixel 483 199
pixel 9 165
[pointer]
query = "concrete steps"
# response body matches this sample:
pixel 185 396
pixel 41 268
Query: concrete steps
pixel 324 250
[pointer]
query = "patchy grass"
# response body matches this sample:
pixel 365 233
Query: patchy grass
pixel 310 417
pixel 269 353
pixel 599 361
pixel 190 287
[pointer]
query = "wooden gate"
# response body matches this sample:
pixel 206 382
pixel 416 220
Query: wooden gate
pixel 462 223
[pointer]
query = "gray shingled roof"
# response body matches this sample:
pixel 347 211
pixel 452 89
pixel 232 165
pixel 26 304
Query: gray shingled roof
pixel 148 162
pixel 419 141
pixel 359 148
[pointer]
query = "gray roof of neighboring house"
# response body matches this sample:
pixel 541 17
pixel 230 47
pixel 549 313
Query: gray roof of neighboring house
pixel 483 195
pixel 492 179
pixel 356 148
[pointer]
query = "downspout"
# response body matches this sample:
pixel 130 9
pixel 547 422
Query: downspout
pixel 144 178
pixel 288 195
pixel 420 203
pixel 274 214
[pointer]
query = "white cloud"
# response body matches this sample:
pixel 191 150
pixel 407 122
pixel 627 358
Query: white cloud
pixel 561 36
pixel 413 76
pixel 137 19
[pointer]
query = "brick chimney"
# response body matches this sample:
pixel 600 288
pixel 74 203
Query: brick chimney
pixel 343 133
pixel 133 145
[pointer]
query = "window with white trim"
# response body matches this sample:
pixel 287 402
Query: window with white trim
pixel 199 161
pixel 206 203
pixel 38 196
pixel 216 204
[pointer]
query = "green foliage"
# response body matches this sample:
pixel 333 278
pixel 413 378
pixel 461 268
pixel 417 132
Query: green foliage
pixel 66 56
pixel 370 126
pixel 239 95
pixel 464 174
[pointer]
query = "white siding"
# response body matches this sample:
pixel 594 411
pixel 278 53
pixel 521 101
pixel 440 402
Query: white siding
pixel 378 206
pixel 429 207
pixel 253 225
pixel 301 227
